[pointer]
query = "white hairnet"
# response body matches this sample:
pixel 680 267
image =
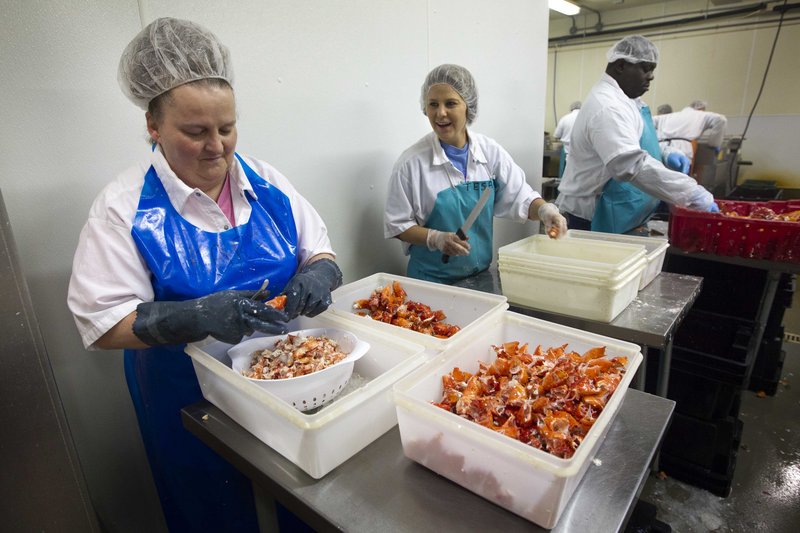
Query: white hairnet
pixel 167 53
pixel 633 49
pixel 575 105
pixel 460 80
pixel 699 105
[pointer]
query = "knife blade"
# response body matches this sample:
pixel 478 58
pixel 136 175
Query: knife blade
pixel 471 218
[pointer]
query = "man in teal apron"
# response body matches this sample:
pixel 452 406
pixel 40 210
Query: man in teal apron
pixel 624 208
pixel 616 177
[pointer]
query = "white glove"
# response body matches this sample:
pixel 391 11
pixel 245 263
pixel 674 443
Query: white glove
pixel 447 243
pixel 701 200
pixel 554 223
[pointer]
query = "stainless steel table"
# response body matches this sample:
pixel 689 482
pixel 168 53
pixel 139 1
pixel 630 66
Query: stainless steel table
pixel 379 489
pixel 650 320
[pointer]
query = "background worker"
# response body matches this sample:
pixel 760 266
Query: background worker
pixel 437 181
pixel 692 123
pixel 173 251
pixel 563 129
pixel 664 109
pixel 615 160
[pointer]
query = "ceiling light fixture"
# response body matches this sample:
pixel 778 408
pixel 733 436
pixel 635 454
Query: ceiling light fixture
pixel 562 6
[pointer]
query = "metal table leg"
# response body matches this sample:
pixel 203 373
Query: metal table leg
pixel 664 363
pixel 640 379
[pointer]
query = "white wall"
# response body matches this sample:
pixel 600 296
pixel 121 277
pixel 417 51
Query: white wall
pixel 327 92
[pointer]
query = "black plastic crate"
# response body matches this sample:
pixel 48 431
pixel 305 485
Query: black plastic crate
pixel 727 289
pixel 699 396
pixel 643 520
pixel 755 194
pixel 717 482
pixel 712 367
pixel 774 326
pixel 706 443
pixel 718 335
pixel 768 383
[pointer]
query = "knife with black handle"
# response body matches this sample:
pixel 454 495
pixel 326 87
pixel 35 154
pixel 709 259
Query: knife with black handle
pixel 473 216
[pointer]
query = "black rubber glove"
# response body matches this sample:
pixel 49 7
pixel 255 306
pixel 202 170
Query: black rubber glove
pixel 309 291
pixel 226 315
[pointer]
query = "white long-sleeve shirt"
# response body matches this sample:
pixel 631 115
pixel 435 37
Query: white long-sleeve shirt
pixel 604 144
pixel 564 128
pixel 423 170
pixel 110 277
pixel 691 124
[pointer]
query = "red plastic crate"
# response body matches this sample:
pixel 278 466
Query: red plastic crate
pixel 715 233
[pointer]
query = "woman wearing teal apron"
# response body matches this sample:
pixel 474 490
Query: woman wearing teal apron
pixel 437 182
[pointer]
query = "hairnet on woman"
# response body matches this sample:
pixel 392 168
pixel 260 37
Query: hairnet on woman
pixel 437 182
pixel 173 251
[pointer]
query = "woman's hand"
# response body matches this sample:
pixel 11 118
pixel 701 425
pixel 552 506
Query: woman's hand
pixel 309 291
pixel 447 243
pixel 226 315
pixel 554 222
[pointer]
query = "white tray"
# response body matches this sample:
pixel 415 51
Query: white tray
pixel 524 480
pixel 655 249
pixel 465 308
pixel 321 441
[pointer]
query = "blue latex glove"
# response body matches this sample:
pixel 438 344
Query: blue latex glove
pixel 679 162
pixel 714 208
pixel 309 291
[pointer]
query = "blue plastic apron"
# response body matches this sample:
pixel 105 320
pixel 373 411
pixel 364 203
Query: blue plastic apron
pixel 623 207
pixel 453 206
pixel 198 489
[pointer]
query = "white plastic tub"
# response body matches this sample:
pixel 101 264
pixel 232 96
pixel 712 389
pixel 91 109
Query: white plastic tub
pixel 466 308
pixel 655 249
pixel 524 480
pixel 605 259
pixel 581 296
pixel 321 441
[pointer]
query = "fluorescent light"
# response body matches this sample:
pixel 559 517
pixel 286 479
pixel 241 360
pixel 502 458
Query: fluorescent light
pixel 562 6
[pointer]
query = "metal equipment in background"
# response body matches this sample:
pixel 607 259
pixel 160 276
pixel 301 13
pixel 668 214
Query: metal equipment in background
pixel 719 172
pixel 42 487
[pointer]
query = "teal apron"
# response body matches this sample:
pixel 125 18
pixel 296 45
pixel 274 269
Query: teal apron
pixel 562 161
pixel 451 209
pixel 199 490
pixel 623 207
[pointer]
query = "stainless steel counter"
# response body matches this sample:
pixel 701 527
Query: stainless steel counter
pixel 650 320
pixel 379 489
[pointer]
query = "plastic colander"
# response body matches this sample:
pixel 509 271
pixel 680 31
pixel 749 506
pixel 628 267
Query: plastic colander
pixel 311 390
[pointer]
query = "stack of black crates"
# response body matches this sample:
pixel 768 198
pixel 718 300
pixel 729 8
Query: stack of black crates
pixel 714 357
pixel 768 365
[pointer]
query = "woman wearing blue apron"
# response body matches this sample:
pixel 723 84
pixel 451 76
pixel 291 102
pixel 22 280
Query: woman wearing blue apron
pixel 173 252
pixel 438 181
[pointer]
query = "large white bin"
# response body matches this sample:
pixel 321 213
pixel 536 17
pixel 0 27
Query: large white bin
pixel 465 308
pixel 321 441
pixel 579 295
pixel 524 480
pixel 601 259
pixel 655 249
